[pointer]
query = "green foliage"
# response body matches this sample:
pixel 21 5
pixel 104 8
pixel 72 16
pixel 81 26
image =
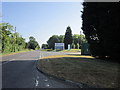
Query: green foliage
pixel 61 38
pixel 10 39
pixel 52 40
pixel 44 46
pixel 33 44
pixel 31 38
pixel 55 39
pixel 101 27
pixel 78 40
pixel 68 37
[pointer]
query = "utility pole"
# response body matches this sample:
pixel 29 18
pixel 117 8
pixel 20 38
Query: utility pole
pixel 15 29
pixel 15 40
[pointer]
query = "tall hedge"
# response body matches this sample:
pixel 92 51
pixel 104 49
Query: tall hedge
pixel 101 27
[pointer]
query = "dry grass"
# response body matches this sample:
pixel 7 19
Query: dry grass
pixel 61 56
pixel 86 70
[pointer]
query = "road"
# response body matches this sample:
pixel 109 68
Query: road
pixel 19 71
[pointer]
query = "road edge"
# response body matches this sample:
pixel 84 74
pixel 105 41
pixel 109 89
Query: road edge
pixel 13 53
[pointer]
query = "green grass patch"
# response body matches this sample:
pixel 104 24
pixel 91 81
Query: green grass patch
pixel 71 50
pixel 47 50
pixel 90 71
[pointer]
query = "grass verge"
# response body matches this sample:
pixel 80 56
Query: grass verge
pixel 71 50
pixel 46 50
pixel 11 53
pixel 83 69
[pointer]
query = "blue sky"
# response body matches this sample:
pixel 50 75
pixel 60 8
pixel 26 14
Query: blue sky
pixel 43 19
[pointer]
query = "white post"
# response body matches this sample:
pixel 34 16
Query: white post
pixel 68 46
pixel 78 43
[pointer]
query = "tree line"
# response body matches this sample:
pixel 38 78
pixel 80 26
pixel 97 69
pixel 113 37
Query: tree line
pixel 12 41
pixel 101 27
pixel 74 40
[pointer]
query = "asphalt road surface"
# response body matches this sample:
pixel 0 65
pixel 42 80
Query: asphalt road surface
pixel 19 71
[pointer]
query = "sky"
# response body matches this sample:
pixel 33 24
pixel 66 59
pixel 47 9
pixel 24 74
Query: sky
pixel 43 19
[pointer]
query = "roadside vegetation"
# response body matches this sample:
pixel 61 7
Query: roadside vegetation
pixel 12 42
pixel 11 53
pixel 82 69
pixel 100 26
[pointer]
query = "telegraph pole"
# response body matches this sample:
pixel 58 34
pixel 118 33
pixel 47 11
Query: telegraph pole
pixel 15 29
pixel 15 40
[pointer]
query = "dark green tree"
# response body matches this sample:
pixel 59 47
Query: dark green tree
pixel 68 37
pixel 44 46
pixel 31 38
pixel 61 38
pixel 100 26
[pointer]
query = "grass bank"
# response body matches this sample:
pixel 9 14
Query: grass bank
pixel 46 50
pixel 71 50
pixel 83 69
pixel 11 53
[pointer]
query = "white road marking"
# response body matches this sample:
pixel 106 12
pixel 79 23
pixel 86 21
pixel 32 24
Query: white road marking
pixel 36 82
pixel 40 56
pixel 46 80
pixel 47 85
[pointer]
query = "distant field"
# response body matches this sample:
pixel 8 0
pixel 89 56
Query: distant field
pixel 83 69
